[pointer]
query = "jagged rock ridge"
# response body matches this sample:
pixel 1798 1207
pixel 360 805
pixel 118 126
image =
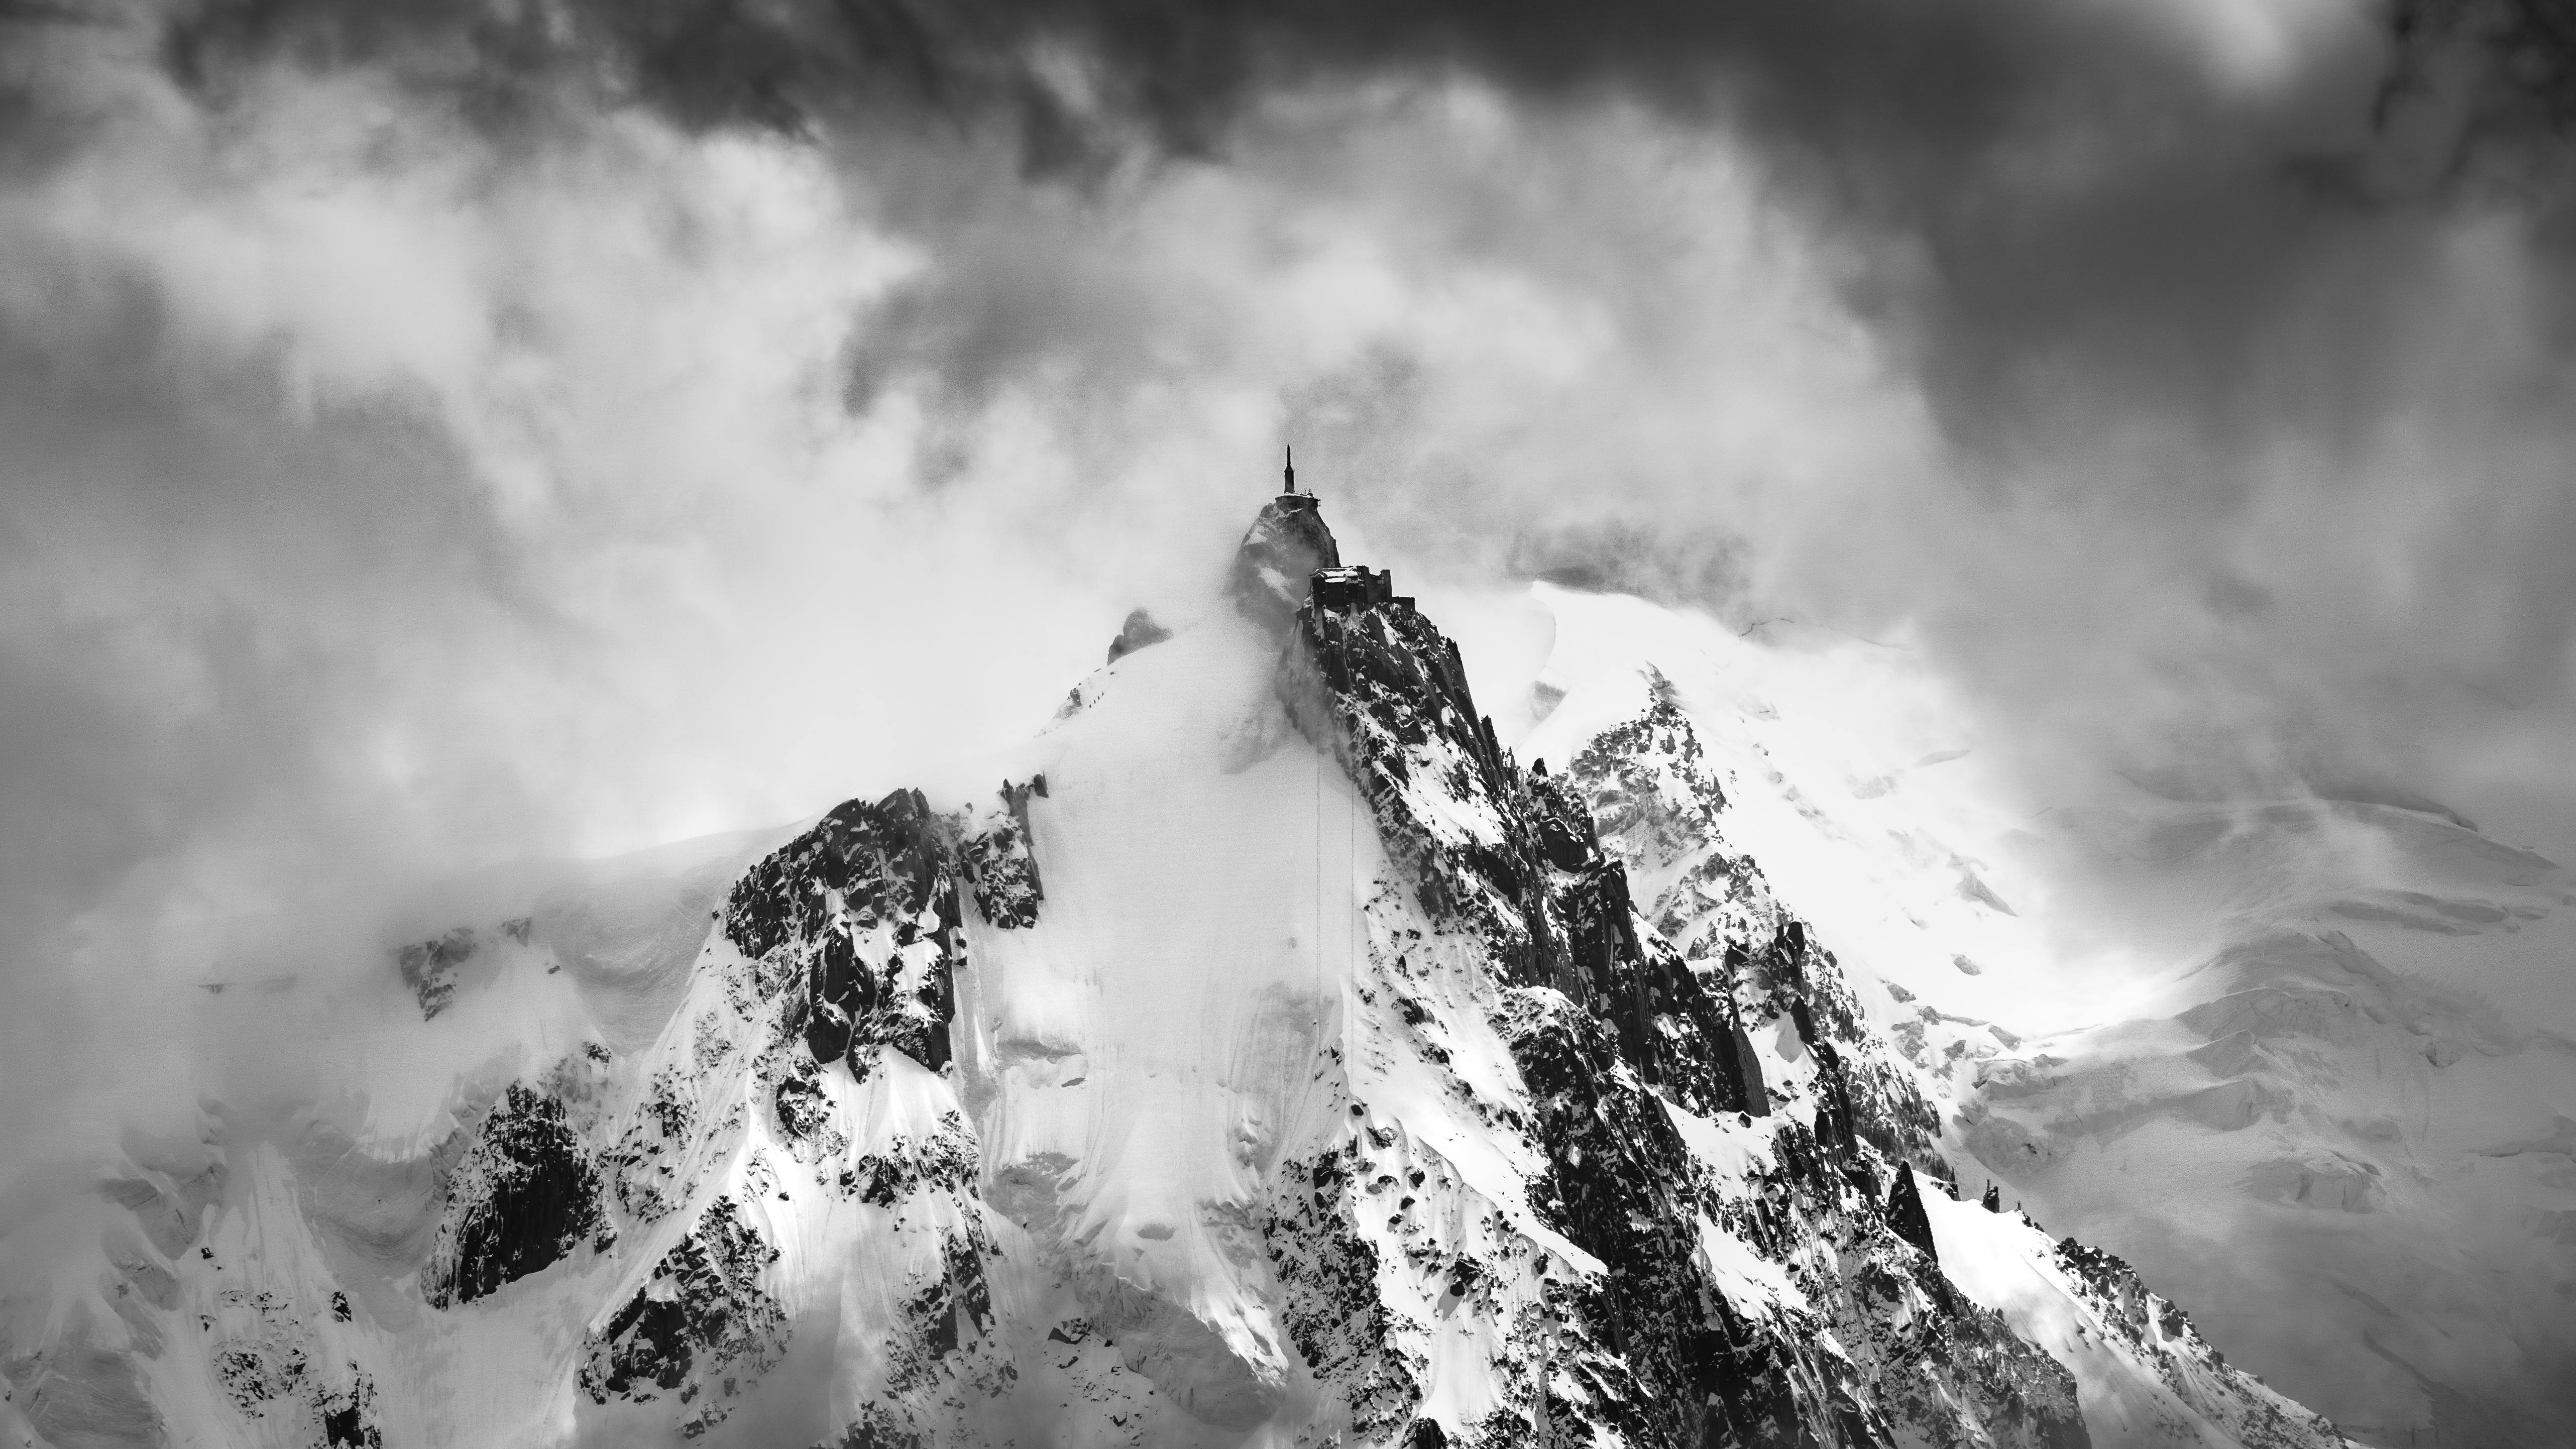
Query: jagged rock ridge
pixel 1599 1013
pixel 1481 1146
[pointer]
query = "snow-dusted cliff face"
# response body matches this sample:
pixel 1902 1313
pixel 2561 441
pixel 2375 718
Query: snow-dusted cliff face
pixel 1271 1059
pixel 2313 1075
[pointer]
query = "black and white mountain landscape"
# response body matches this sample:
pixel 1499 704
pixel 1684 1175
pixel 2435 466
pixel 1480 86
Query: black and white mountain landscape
pixel 1890 773
pixel 1272 1057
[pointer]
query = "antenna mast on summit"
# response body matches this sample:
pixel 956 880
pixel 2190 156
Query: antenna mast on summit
pixel 1288 470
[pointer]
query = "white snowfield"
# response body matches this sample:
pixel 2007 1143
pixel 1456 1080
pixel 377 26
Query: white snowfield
pixel 1070 1234
pixel 1138 1059
pixel 1183 1019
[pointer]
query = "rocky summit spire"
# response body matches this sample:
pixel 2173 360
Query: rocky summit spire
pixel 1278 558
pixel 1905 1215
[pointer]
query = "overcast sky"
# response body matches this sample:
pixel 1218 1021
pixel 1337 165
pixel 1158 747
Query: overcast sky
pixel 442 433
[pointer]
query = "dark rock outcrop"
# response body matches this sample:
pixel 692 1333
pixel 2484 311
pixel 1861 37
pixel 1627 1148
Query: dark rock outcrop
pixel 348 1419
pixel 1905 1215
pixel 1607 1023
pixel 836 913
pixel 1001 862
pixel 701 1328
pixel 524 1195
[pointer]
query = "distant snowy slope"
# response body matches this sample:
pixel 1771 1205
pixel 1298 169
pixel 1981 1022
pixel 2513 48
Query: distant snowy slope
pixel 2333 1134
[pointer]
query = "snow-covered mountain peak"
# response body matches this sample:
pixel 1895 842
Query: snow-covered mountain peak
pixel 1270 1058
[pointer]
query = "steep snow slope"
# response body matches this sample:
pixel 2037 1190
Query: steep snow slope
pixel 1138 1056
pixel 1271 1059
pixel 2315 1078
pixel 2092 1312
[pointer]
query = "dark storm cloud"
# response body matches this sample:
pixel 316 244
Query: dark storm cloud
pixel 2069 217
pixel 2197 230
pixel 2055 182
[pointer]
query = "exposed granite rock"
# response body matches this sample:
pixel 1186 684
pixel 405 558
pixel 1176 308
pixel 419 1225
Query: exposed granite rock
pixel 944 1350
pixel 1607 1025
pixel 524 1195
pixel 1335 1313
pixel 999 860
pixel 701 1328
pixel 1372 681
pixel 866 904
pixel 852 933
pixel 944 1161
pixel 646 1163
pixel 1905 1215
